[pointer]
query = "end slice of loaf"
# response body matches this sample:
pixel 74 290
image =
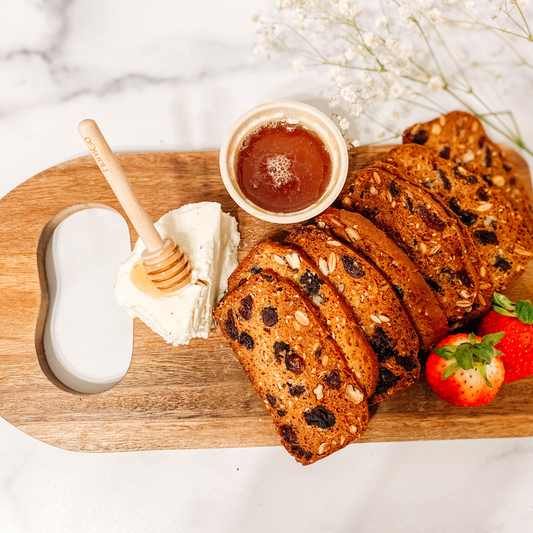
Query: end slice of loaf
pixel 294 365
pixel 420 226
pixel 420 303
pixel 289 263
pixel 496 229
pixel 374 304
pixel 461 138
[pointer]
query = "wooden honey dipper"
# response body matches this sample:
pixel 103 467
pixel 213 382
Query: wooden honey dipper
pixel 165 264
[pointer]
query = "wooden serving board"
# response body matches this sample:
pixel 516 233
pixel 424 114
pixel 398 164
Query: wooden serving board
pixel 194 396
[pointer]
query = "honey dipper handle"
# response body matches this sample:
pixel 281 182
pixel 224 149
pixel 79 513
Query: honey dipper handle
pixel 117 179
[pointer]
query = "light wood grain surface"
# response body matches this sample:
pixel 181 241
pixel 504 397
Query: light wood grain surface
pixel 194 396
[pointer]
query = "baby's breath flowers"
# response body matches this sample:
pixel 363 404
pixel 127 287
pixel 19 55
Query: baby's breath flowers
pixel 387 57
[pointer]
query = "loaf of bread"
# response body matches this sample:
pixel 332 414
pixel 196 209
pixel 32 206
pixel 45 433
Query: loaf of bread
pixel 375 306
pixel 461 138
pixel 294 365
pixel 417 299
pixel 420 226
pixel 502 240
pixel 290 264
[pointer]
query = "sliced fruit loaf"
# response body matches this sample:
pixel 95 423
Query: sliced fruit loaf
pixel 461 138
pixel 374 304
pixel 496 229
pixel 288 263
pixel 294 365
pixel 420 303
pixel 420 226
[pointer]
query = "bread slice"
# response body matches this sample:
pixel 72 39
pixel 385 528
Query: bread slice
pixel 420 227
pixel 294 365
pixel 461 138
pixel 288 263
pixel 420 303
pixel 375 306
pixel 496 229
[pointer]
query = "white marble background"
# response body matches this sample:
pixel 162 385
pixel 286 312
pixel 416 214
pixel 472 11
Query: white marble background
pixel 172 75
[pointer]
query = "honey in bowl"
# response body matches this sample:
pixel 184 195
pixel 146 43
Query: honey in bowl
pixel 283 166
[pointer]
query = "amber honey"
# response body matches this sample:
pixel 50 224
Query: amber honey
pixel 283 167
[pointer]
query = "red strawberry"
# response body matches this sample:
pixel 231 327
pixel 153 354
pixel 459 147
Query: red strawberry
pixel 517 345
pixel 466 370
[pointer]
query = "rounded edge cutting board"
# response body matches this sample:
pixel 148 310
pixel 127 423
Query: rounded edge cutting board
pixel 194 396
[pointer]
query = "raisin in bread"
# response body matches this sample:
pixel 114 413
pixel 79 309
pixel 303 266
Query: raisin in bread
pixel 294 365
pixel 420 303
pixel 420 227
pixel 288 263
pixel 461 138
pixel 374 304
pixel 496 229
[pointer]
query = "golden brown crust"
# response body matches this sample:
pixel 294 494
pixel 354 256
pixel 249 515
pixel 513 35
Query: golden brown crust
pixel 288 263
pixel 461 138
pixel 419 226
pixel 296 368
pixel 427 316
pixel 496 229
pixel 375 306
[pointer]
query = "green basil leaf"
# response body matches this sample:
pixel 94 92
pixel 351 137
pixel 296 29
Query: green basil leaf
pixel 524 310
pixel 444 353
pixel 493 338
pixel 450 370
pixel 502 301
pixel 465 356
pixel 484 352
pixel 472 338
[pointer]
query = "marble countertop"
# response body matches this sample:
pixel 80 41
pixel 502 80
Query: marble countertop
pixel 169 76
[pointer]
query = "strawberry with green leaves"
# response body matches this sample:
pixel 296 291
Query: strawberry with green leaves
pixel 466 370
pixel 517 345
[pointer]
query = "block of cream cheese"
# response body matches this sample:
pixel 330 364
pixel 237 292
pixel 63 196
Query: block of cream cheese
pixel 210 240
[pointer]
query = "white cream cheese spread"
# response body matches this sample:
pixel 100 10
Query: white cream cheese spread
pixel 210 240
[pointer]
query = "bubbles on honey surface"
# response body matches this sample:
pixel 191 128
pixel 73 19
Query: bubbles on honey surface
pixel 278 167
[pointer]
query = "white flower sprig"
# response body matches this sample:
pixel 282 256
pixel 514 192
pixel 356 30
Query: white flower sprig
pixel 397 54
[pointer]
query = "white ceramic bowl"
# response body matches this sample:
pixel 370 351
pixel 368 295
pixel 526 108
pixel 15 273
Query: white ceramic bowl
pixel 308 116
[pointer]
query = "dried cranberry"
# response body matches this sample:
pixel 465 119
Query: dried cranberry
pixel 231 327
pixel 271 399
pixel 242 281
pixel 445 153
pixel 310 283
pixel 352 266
pixel 288 433
pixel 302 453
pixel 481 141
pixel 281 349
pixel 482 194
pixel 408 363
pixel 318 352
pixel 333 379
pixel 409 202
pixel 296 390
pixel 269 316
pixel 488 157
pixel 281 413
pixel 398 290
pixel 246 307
pixel 466 178
pixel 294 363
pixel 268 277
pixel 486 237
pixel 502 263
pixel 320 417
pixel 393 189
pixel 430 219
pixel 507 167
pixel 256 270
pixel 381 344
pixel 463 278
pixel 433 285
pixel 246 340
pixel 352 189
pixel 447 184
pixel 421 137
pixel 467 217
pixel 386 380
